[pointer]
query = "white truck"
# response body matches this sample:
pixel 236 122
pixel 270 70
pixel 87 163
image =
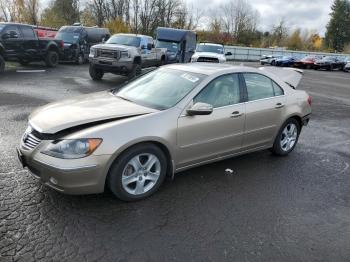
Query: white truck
pixel 124 54
pixel 211 53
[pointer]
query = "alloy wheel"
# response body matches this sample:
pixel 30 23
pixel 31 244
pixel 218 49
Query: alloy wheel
pixel 141 174
pixel 289 137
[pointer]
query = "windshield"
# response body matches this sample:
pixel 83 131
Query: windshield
pixel 170 46
pixel 1 27
pixel 210 48
pixel 124 40
pixel 328 58
pixel 160 89
pixel 71 38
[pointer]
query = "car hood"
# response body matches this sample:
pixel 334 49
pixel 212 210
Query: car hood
pixel 84 109
pixel 114 47
pixel 208 54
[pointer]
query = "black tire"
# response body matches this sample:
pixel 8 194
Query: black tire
pixel 80 59
pixel 95 74
pixel 136 70
pixel 277 148
pixel 162 61
pixel 51 59
pixel 330 68
pixel 2 64
pixel 114 180
pixel 273 63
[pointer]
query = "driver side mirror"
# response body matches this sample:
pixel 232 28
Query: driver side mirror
pixel 200 109
pixel 228 54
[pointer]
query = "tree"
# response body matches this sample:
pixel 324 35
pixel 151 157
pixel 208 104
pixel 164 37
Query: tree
pixel 338 28
pixel 294 42
pixel 61 12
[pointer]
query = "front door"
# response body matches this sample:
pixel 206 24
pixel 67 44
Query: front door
pixel 201 138
pixel 12 39
pixel 264 110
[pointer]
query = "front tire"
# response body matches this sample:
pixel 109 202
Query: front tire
pixel 95 74
pixel 51 59
pixel 136 71
pixel 2 64
pixel 138 172
pixel 287 138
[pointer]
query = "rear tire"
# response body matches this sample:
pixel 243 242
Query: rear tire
pixel 287 138
pixel 51 59
pixel 95 74
pixel 273 63
pixel 131 179
pixel 2 64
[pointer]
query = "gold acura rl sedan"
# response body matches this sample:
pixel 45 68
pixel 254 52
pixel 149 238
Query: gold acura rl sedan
pixel 171 119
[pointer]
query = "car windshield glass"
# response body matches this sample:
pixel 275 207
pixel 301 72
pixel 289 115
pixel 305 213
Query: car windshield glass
pixel 210 49
pixel 170 46
pixel 71 38
pixel 286 57
pixel 160 89
pixel 124 40
pixel 1 27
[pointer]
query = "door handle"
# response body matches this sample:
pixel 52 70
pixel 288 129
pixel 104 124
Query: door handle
pixel 279 105
pixel 236 114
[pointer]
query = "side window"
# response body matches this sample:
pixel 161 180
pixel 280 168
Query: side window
pixel 277 89
pixel 150 41
pixel 27 32
pixel 258 86
pixel 13 31
pixel 222 91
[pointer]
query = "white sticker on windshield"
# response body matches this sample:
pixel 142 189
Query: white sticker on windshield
pixel 189 77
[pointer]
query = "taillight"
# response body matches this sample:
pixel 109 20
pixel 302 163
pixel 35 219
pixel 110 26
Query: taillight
pixel 309 100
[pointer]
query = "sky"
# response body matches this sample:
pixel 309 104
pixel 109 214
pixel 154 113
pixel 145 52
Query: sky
pixel 304 14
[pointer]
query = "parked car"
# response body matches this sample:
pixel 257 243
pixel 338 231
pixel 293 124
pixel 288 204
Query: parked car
pixel 307 62
pixel 209 52
pixel 19 42
pixel 269 59
pixel 346 63
pixel 179 44
pixel 124 54
pixel 174 118
pixel 45 32
pixel 329 63
pixel 78 40
pixel 286 61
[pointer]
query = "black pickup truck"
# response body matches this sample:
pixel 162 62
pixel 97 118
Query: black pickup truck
pixel 19 42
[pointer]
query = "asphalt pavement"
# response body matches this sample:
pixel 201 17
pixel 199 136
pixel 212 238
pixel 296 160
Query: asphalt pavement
pixel 294 208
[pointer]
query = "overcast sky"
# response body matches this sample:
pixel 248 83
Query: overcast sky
pixel 306 14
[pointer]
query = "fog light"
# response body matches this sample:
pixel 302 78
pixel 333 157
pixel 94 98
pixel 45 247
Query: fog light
pixel 53 181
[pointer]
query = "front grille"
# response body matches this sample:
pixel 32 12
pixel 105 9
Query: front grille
pixel 30 141
pixel 108 53
pixel 208 59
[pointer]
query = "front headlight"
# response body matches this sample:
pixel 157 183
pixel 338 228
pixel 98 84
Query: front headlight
pixel 93 52
pixel 124 54
pixel 72 149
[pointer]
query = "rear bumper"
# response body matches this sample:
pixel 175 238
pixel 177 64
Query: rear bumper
pixel 305 120
pixel 74 179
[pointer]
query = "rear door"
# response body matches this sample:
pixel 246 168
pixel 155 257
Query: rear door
pixel 30 43
pixel 265 108
pixel 205 137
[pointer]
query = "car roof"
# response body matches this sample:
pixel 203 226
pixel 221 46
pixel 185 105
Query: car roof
pixel 138 35
pixel 17 24
pixel 210 68
pixel 212 44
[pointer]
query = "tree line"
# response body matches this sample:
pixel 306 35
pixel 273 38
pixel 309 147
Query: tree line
pixel 234 22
